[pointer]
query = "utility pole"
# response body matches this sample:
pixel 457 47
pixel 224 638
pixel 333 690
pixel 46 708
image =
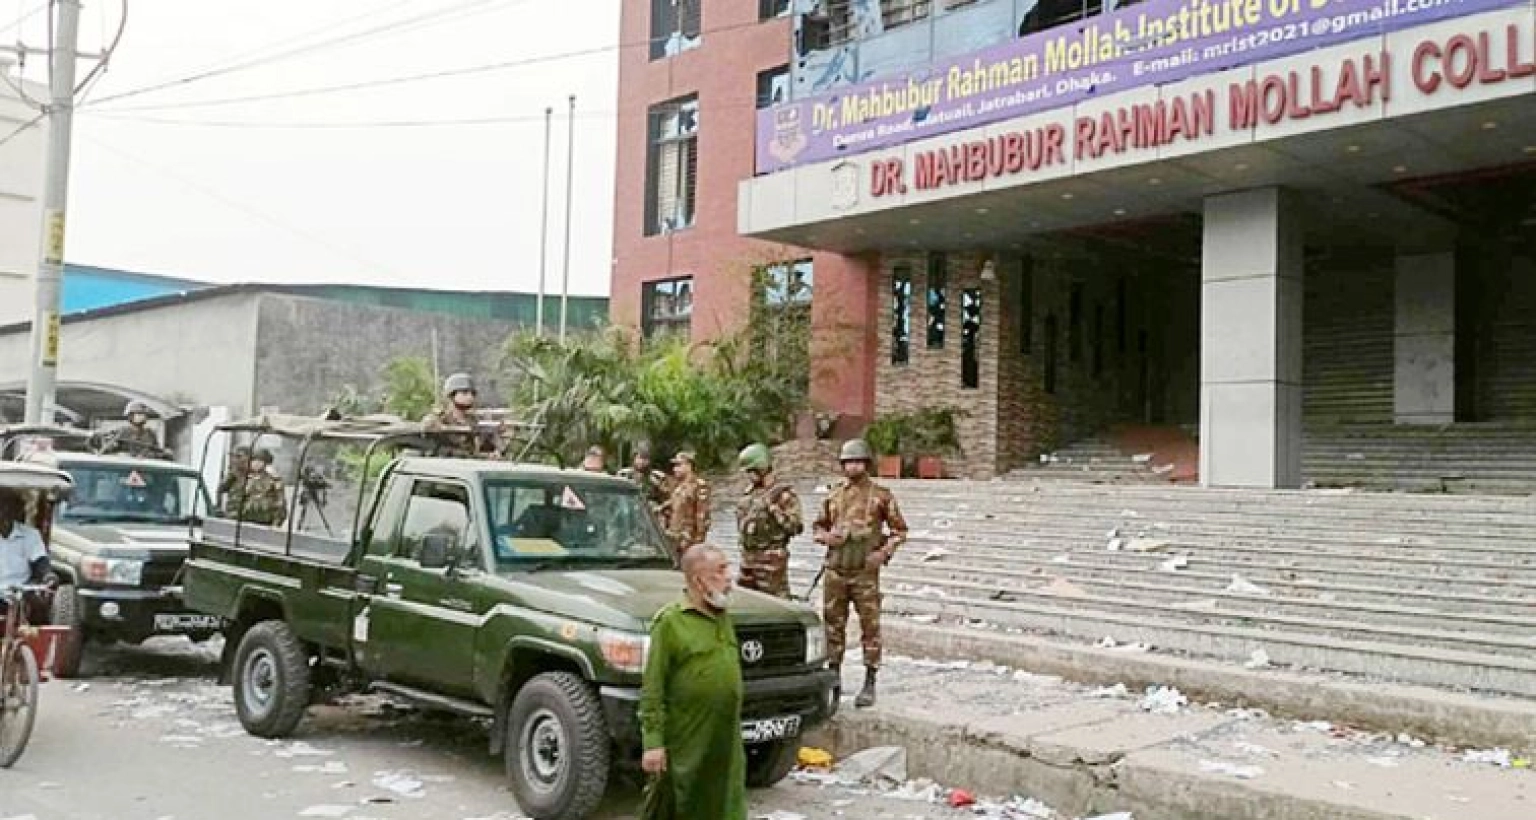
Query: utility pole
pixel 50 273
pixel 549 116
pixel 570 173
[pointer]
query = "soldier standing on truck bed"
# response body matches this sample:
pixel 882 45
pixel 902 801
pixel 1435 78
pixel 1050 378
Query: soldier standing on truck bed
pixel 456 411
pixel 653 482
pixel 134 439
pixel 861 526
pixel 259 499
pixel 687 510
pixel 239 465
pixel 767 516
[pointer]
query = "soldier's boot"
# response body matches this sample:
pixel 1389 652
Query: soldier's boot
pixel 837 680
pixel 866 697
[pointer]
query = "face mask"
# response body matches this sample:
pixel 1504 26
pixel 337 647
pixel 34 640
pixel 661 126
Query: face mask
pixel 719 600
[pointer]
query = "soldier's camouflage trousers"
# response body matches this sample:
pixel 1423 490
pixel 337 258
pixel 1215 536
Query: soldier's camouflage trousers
pixel 765 570
pixel 861 590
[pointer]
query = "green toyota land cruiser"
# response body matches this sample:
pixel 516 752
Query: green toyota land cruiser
pixel 515 592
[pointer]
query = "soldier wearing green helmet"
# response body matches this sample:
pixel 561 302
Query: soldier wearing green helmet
pixel 861 526
pixel 767 516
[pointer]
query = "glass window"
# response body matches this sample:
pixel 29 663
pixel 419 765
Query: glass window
pixel 769 9
pixel 667 306
pixel 540 520
pixel 938 298
pixel 675 27
pixel 672 166
pixel 434 508
pixel 970 337
pixel 788 284
pixel 131 493
pixel 901 314
pixel 772 86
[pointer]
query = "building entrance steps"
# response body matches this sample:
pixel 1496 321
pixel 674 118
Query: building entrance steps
pixel 1088 750
pixel 1434 594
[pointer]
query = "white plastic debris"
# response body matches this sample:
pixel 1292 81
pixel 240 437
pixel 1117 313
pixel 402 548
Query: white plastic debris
pixel 1115 544
pixel 781 815
pixel 329 767
pixel 1243 586
pixel 1116 691
pixel 1062 559
pixel 82 687
pixel 1222 767
pixel 1163 700
pixel 327 811
pixel 1119 815
pixel 1129 514
pixel 918 791
pixel 924 619
pixel 1141 458
pixel 403 783
pixel 1313 726
pixel 881 764
pixel 1384 761
pixel 1410 741
pixel 1106 642
pixel 1174 564
pixel 936 554
pixel 1254 749
pixel 1148 544
pixel 1258 660
pixel 301 749
pixel 1498 757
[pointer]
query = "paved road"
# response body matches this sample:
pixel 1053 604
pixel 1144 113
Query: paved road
pixel 149 736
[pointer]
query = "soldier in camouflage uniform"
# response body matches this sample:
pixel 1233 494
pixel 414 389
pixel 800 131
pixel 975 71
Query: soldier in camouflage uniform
pixel 687 509
pixel 653 483
pixel 767 516
pixel 239 465
pixel 458 411
pixel 135 439
pixel 259 499
pixel 861 526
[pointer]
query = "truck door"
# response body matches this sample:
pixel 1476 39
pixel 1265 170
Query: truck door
pixel 421 623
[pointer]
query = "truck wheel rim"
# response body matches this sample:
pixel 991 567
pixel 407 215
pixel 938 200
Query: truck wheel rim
pixel 543 750
pixel 260 681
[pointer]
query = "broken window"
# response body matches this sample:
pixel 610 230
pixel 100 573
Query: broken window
pixel 835 22
pixel 772 86
pixel 674 27
pixel 1048 14
pixel 970 337
pixel 769 9
pixel 672 166
pixel 666 306
pixel 938 298
pixel 901 314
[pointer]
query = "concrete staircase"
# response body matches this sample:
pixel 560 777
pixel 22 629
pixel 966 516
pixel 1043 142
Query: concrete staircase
pixel 1098 460
pixel 1425 590
pixel 1464 458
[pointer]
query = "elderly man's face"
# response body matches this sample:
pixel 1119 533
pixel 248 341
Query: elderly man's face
pixel 710 574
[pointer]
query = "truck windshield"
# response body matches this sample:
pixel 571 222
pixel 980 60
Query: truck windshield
pixel 128 493
pixel 538 522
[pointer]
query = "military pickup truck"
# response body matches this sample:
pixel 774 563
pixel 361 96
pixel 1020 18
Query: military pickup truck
pixel 118 544
pixel 514 592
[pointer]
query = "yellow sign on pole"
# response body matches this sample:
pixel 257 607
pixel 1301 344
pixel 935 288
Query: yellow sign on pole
pixel 51 341
pixel 53 254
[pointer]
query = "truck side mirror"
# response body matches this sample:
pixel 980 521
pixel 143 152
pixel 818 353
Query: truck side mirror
pixel 436 550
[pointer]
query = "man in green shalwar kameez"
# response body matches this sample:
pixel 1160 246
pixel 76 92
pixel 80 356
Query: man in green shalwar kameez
pixel 690 702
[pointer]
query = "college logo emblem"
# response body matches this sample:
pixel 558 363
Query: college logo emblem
pixel 845 186
pixel 788 134
pixel 751 651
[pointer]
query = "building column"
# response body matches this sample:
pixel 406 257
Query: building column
pixel 1250 341
pixel 1424 340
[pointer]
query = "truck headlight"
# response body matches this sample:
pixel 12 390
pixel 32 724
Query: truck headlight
pixel 112 571
pixel 815 644
pixel 624 651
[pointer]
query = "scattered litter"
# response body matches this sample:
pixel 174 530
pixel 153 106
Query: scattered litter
pixel 403 783
pixel 1114 532
pixel 1313 726
pixel 1230 769
pixel 1129 514
pixel 1106 642
pixel 943 523
pixel 1174 564
pixel 1247 714
pixel 1119 815
pixel 329 767
pixel 1148 544
pixel 327 811
pixel 1116 691
pixel 1258 660
pixel 881 764
pixel 1062 559
pixel 1030 807
pixel 1497 757
pixel 936 553
pixel 1254 749
pixel 1163 700
pixel 1134 647
pixel 781 815
pixel 1384 761
pixel 301 749
pixel 81 687
pixel 1141 458
pixel 960 798
pixel 1243 586
pixel 918 791
pixel 1115 544
pixel 813 758
pixel 924 619
pixel 1410 741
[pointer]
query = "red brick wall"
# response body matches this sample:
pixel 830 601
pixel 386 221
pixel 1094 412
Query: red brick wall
pixel 722 71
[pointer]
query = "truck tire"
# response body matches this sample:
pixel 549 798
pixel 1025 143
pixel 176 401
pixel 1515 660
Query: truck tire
pixel 557 748
pixel 70 648
pixel 768 763
pixel 271 678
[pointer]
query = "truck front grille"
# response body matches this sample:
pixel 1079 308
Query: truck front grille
pixel 768 648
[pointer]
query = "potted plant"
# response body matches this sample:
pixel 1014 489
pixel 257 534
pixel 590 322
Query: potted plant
pixel 884 436
pixel 932 434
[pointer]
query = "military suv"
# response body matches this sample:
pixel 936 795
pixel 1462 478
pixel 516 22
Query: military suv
pixel 514 592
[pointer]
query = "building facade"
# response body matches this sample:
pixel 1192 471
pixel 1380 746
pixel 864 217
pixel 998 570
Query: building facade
pixel 692 77
pixel 22 150
pixel 1250 220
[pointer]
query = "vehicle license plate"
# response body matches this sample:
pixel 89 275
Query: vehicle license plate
pixel 762 731
pixel 182 622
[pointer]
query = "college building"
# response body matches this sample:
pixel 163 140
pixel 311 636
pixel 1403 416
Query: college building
pixel 1247 220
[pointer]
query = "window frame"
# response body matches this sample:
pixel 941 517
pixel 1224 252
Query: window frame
pixel 680 320
pixel 769 74
pixel 469 542
pixel 685 182
pixel 971 300
pixel 668 21
pixel 937 299
pixel 901 314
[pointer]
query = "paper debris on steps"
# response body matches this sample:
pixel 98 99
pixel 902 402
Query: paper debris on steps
pixel 1498 757
pixel 1258 660
pixel 1148 544
pixel 1116 691
pixel 811 757
pixel 1313 726
pixel 1134 647
pixel 960 798
pixel 1254 749
pixel 327 811
pixel 1119 815
pixel 1243 586
pixel 918 791
pixel 1199 604
pixel 299 748
pixel 1230 769
pixel 1163 700
pixel 1410 741
pixel 936 553
pixel 1062 559
pixel 1106 642
pixel 780 815
pixel 881 764
pixel 329 767
pixel 1115 544
pixel 923 618
pixel 1129 514
pixel 1141 458
pixel 1174 564
pixel 1113 532
pixel 405 784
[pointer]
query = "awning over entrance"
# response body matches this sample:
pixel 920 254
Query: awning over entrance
pixel 84 403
